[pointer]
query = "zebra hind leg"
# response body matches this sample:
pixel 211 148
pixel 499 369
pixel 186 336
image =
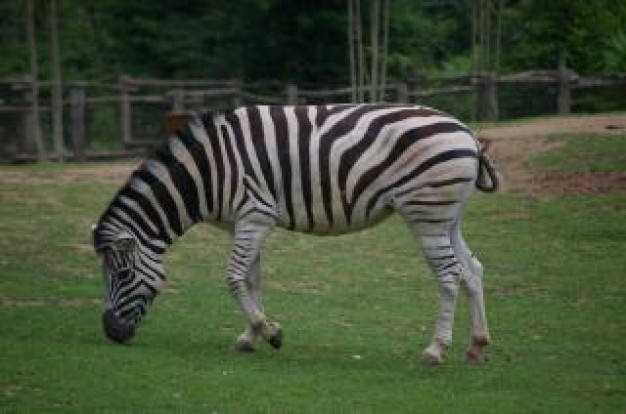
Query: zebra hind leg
pixel 437 247
pixel 472 282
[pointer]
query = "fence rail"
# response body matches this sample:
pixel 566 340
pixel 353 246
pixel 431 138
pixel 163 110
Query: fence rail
pixel 133 104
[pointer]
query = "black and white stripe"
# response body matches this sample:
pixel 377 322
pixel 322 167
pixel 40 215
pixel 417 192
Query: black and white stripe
pixel 316 169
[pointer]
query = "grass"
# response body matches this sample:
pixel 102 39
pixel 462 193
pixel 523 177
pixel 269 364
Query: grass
pixel 356 311
pixel 585 153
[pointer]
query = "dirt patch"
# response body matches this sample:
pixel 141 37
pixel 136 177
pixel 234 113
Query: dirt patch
pixel 511 146
pixel 116 172
pixel 510 157
pixel 40 303
pixel 581 183
pixel 614 124
pixel 111 172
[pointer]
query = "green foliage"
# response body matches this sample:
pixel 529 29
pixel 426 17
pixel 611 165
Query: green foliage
pixel 12 34
pixel 422 37
pixel 536 32
pixel 356 310
pixel 304 41
pixel 615 53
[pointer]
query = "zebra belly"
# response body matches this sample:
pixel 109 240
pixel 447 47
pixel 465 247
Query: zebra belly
pixel 339 227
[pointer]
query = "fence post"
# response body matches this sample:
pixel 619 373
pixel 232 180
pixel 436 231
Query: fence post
pixel 237 96
pixel 403 92
pixel 564 98
pixel 29 144
pixel 125 108
pixel 33 141
pixel 177 98
pixel 487 96
pixel 176 118
pixel 292 94
pixel 77 102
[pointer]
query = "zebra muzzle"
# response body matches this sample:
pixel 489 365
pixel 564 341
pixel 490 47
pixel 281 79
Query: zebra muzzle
pixel 115 329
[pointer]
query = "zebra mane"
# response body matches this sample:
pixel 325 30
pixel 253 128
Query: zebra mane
pixel 212 116
pixel 121 216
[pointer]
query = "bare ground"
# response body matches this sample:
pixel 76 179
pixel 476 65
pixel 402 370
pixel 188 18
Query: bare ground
pixel 510 145
pixel 100 171
pixel 542 127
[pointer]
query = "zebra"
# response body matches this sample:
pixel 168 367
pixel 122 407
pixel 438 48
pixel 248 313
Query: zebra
pixel 323 170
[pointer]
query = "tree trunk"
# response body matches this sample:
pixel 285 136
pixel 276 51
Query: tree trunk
pixel 57 89
pixel 564 98
pixel 360 51
pixel 385 50
pixel 351 50
pixel 78 101
pixel 374 35
pixel 33 140
pixel 486 33
pixel 487 97
pixel 498 39
pixel 125 110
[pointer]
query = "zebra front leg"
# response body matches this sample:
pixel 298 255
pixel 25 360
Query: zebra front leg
pixel 242 280
pixel 247 340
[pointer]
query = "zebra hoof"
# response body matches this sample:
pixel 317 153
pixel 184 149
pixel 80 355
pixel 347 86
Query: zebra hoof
pixel 476 358
pixel 276 340
pixel 244 346
pixel 434 354
pixel 430 359
pixel 476 352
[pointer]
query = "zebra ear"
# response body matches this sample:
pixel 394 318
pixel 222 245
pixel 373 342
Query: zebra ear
pixel 96 238
pixel 125 242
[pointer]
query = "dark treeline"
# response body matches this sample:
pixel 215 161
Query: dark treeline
pixel 302 41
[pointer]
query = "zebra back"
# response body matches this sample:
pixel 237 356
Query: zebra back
pixel 319 169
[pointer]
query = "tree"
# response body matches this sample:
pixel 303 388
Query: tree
pixel 356 50
pixel 57 88
pixel 545 30
pixel 486 35
pixel 615 54
pixel 368 70
pixel 35 133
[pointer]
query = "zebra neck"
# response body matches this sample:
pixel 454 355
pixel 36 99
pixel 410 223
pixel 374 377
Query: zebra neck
pixel 151 204
pixel 146 207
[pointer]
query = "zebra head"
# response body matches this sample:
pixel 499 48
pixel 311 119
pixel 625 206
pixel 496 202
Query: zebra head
pixel 130 285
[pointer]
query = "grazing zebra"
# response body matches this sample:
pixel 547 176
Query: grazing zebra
pixel 323 170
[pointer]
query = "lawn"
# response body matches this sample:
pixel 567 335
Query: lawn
pixel 356 310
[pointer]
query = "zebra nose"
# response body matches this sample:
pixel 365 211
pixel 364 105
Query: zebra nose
pixel 116 330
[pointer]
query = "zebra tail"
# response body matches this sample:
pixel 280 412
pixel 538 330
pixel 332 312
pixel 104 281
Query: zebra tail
pixel 488 179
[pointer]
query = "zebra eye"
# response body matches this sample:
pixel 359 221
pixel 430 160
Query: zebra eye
pixel 123 273
pixel 124 242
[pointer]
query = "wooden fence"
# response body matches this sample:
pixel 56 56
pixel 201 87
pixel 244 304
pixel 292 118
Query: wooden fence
pixel 172 99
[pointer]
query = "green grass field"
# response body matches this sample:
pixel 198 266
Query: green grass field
pixel 356 310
